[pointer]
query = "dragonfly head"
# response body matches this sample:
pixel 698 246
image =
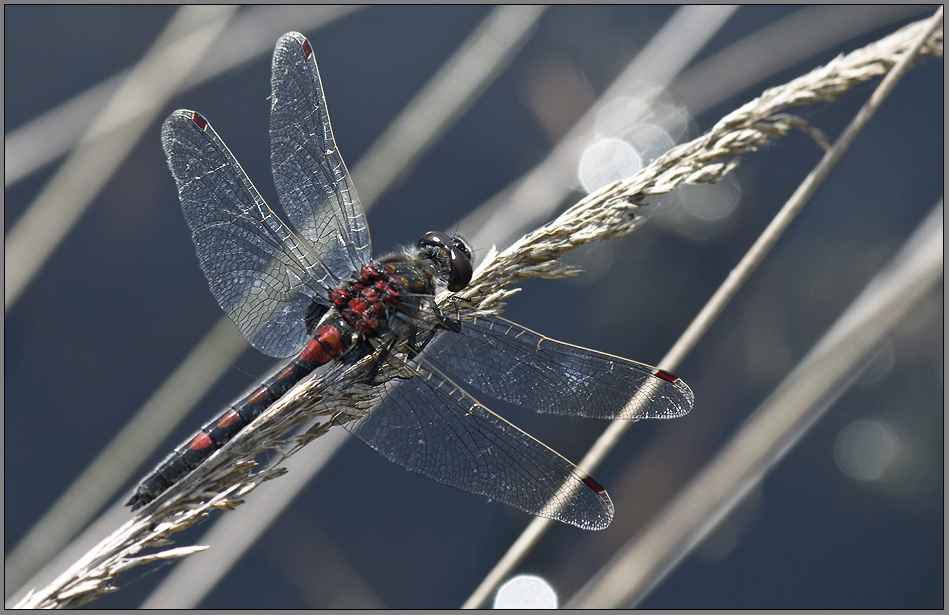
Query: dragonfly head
pixel 452 254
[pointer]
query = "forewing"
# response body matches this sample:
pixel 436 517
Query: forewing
pixel 263 277
pixel 314 187
pixel 428 425
pixel 510 362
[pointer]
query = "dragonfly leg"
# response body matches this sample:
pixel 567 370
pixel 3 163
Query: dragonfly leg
pixel 380 359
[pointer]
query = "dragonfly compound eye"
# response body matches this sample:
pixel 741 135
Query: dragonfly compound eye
pixel 462 245
pixel 434 239
pixel 459 257
pixel 461 271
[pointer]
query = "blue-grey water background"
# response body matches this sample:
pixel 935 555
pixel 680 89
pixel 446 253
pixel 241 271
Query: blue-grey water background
pixel 122 300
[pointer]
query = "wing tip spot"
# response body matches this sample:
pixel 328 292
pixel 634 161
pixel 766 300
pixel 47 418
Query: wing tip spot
pixel 592 484
pixel 199 120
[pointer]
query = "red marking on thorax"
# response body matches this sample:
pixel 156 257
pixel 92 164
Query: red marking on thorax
pixel 370 294
pixel 358 306
pixel 392 295
pixel 340 297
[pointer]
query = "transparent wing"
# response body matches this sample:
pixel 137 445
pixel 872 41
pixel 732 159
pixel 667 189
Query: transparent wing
pixel 510 362
pixel 314 186
pixel 428 425
pixel 261 274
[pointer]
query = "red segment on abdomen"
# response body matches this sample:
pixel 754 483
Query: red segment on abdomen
pixel 257 396
pixel 286 373
pixel 200 442
pixel 326 346
pixel 228 418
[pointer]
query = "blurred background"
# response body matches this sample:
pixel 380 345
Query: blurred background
pixel 852 517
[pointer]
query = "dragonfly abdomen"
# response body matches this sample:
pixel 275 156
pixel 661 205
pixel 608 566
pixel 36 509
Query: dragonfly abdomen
pixel 362 308
pixel 331 341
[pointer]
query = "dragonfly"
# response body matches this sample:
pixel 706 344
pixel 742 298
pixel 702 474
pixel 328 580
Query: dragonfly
pixel 315 293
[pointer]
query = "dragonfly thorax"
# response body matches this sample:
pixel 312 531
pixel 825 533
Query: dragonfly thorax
pixel 365 300
pixel 367 304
